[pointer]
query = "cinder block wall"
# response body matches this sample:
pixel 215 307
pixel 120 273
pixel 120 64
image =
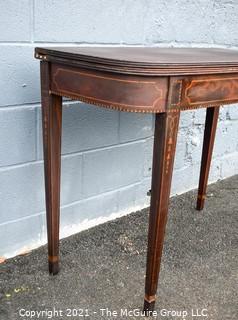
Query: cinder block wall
pixel 106 154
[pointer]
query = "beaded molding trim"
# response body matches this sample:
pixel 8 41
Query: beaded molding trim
pixel 109 106
pixel 126 109
pixel 194 107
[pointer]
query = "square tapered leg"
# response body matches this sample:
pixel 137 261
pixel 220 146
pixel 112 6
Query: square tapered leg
pixel 212 114
pixel 51 124
pixel 166 128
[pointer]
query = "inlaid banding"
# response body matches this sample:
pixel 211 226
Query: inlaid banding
pixel 53 258
pixel 217 90
pixel 149 298
pixel 127 93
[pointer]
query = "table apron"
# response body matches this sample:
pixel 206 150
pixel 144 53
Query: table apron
pixel 121 92
pixel 202 91
pixel 143 93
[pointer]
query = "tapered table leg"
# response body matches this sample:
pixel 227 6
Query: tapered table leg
pixel 208 143
pixel 51 124
pixel 166 128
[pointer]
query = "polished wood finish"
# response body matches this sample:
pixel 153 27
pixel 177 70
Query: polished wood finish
pixel 208 91
pixel 145 60
pixel 164 81
pixel 166 128
pixel 125 93
pixel 51 125
pixel 212 115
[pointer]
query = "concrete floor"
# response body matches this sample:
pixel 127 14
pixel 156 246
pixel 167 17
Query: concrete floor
pixel 104 267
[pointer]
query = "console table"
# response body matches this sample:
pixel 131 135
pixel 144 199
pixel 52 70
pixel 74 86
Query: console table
pixel 164 81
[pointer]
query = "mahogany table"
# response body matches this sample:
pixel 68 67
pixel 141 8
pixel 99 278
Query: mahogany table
pixel 164 81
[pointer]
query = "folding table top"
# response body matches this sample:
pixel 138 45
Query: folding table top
pixel 151 59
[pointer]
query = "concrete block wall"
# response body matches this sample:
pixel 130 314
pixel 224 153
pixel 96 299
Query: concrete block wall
pixel 106 163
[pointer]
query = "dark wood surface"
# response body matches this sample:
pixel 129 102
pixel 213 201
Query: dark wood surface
pixel 51 129
pixel 212 115
pixel 166 129
pixel 158 80
pixel 139 60
pixel 142 56
pixel 119 84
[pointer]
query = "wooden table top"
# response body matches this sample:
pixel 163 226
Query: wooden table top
pixel 154 59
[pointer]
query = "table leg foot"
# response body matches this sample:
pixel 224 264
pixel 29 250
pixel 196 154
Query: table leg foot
pixel 200 203
pixel 53 267
pixel 166 128
pixel 148 307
